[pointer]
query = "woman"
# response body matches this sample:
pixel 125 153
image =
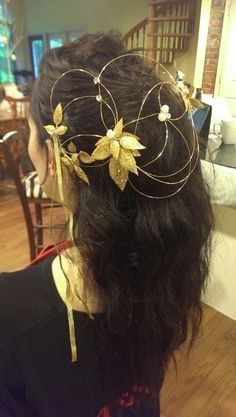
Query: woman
pixel 88 330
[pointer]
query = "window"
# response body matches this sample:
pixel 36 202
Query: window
pixel 40 43
pixel 6 62
pixel 37 51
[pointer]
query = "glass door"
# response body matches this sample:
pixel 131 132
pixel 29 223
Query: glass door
pixel 36 51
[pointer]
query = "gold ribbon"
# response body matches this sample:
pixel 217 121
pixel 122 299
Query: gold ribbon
pixel 70 316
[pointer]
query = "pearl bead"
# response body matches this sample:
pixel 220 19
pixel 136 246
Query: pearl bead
pixel 162 117
pixel 96 80
pixel 110 134
pixel 165 109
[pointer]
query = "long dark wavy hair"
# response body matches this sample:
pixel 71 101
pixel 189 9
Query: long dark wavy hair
pixel 150 257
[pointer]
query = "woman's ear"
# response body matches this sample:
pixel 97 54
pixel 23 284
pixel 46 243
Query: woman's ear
pixel 51 158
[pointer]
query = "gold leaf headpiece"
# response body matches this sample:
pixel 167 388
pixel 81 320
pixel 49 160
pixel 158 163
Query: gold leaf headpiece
pixel 119 148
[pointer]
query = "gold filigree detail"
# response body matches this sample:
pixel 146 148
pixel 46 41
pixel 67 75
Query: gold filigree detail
pixel 122 148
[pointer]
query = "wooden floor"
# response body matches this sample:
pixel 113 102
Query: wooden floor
pixel 14 252
pixel 205 385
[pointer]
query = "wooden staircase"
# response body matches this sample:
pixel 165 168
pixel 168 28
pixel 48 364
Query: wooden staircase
pixel 165 31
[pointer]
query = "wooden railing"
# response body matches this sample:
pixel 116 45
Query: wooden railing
pixel 170 25
pixel 136 37
pixel 166 30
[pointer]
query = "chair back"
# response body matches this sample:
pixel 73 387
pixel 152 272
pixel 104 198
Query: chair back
pixel 19 111
pixel 14 147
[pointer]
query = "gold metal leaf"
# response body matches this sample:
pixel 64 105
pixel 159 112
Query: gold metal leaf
pixel 61 130
pixel 136 153
pixel 50 129
pixel 115 148
pixel 65 161
pixel 81 174
pixel 187 103
pixel 57 115
pixel 118 173
pixel 130 142
pixel 103 141
pixel 74 157
pixel 118 128
pixel 196 103
pixel 127 160
pixel 101 152
pixel 71 147
pixel 85 157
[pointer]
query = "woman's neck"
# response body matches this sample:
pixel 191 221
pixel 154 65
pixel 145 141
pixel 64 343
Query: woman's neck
pixel 84 294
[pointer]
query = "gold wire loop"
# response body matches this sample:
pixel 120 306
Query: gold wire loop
pixel 107 151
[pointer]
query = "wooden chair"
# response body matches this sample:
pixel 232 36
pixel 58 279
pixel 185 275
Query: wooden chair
pixel 18 120
pixel 14 147
pixel 19 111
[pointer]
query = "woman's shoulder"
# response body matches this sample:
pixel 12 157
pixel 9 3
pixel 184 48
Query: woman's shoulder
pixel 25 301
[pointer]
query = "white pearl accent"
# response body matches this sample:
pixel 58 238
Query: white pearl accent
pixel 162 117
pixel 110 134
pixel 99 98
pixel 164 113
pixel 165 109
pixel 96 80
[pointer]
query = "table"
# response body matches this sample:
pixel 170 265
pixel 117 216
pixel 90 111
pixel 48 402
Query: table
pixel 220 153
pixel 226 155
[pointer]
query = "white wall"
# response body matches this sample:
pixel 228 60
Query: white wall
pixel 226 74
pixel 186 61
pixel 119 14
pixel 202 42
pixel 96 15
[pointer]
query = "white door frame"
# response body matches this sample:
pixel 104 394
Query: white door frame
pixel 224 48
